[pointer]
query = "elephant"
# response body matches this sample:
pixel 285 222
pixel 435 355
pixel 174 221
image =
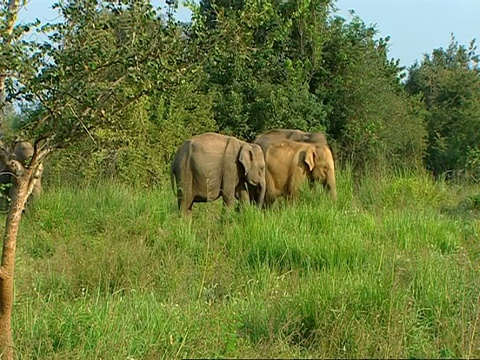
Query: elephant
pixel 317 138
pixel 211 165
pixel 290 163
pixel 23 151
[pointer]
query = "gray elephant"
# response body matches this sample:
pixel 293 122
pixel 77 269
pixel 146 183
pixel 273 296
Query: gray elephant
pixel 325 168
pixel 23 151
pixel 212 165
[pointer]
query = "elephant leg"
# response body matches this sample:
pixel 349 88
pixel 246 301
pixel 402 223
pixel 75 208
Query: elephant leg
pixel 185 201
pixel 292 197
pixel 228 194
pixel 271 192
pixel 5 186
pixel 34 195
pixel 330 185
pixel 185 206
pixel 228 199
pixel 244 197
pixel 37 190
pixel 269 200
pixel 4 198
pixel 229 190
pixel 292 191
pixel 3 202
pixel 242 194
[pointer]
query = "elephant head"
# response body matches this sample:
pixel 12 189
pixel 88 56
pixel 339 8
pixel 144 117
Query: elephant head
pixel 253 161
pixel 23 152
pixel 321 167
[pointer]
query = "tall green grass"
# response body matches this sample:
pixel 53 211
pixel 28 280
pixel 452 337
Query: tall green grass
pixel 390 270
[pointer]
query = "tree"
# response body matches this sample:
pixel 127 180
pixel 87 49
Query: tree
pixel 448 80
pixel 9 13
pixel 369 114
pixel 296 65
pixel 100 61
pixel 260 63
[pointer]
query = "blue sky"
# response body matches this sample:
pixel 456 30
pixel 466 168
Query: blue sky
pixel 415 27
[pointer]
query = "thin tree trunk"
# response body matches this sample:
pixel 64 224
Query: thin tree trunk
pixel 12 11
pixel 7 267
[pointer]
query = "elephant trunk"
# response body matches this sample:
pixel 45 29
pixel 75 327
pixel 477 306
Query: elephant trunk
pixel 260 194
pixel 331 185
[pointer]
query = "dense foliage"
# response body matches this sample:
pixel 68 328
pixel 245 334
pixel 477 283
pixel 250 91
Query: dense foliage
pixel 132 83
pixel 449 82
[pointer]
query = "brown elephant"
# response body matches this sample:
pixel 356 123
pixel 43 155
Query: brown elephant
pixel 277 135
pixel 323 153
pixel 23 153
pixel 290 163
pixel 212 165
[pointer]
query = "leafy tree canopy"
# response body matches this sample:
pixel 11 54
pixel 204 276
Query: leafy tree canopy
pixel 448 81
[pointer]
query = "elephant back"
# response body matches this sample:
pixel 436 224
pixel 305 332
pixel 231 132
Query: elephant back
pixel 271 137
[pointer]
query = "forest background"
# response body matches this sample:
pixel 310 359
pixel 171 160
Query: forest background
pixel 106 268
pixel 241 68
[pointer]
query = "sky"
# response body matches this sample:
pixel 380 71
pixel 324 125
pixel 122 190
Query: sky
pixel 415 27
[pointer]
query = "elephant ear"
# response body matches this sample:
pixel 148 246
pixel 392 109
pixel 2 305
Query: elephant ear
pixel 310 156
pixel 246 158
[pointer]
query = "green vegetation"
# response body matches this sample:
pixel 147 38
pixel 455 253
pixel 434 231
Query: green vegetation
pixel 112 272
pixel 133 84
pixel 106 268
pixel 449 82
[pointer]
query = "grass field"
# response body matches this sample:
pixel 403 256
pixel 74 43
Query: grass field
pixel 390 270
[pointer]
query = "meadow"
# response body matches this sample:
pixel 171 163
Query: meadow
pixel 389 271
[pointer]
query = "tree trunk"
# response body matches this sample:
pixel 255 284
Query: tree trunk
pixel 21 186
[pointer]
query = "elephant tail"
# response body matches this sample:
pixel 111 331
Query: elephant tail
pixel 172 176
pixel 180 174
pixel 175 168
